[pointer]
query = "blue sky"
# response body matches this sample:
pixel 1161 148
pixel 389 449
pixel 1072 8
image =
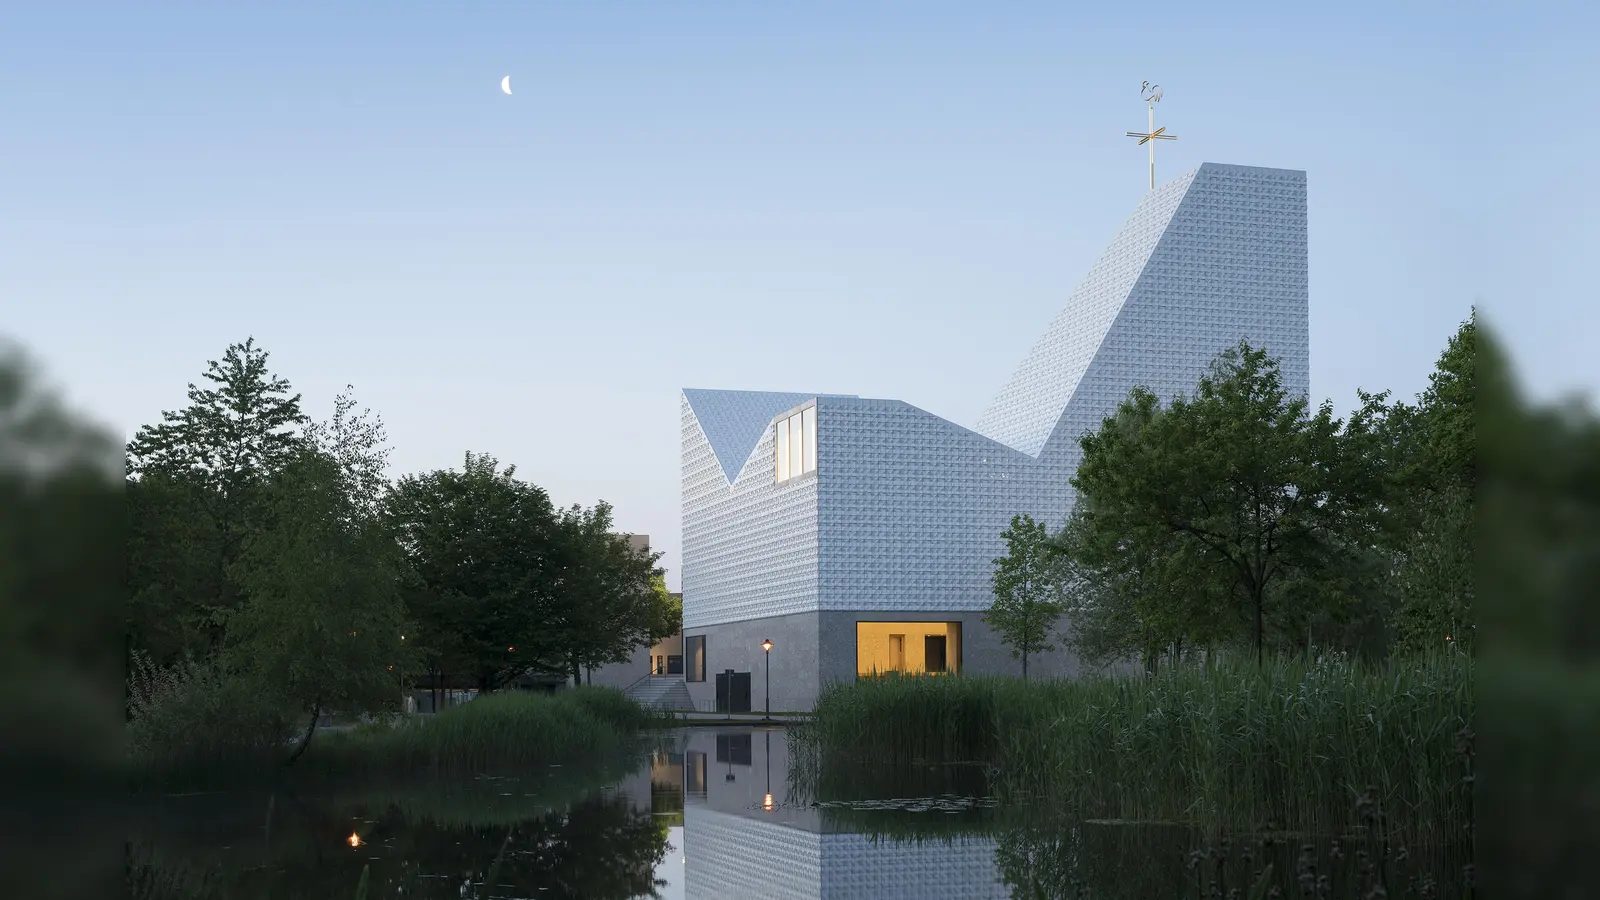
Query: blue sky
pixel 885 199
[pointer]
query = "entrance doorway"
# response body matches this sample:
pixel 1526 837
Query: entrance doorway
pixel 933 652
pixel 733 691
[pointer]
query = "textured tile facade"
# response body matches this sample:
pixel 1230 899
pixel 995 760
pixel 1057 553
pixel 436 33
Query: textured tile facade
pixel 749 543
pixel 905 510
pixel 911 507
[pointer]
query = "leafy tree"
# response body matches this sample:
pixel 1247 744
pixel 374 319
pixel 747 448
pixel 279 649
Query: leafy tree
pixel 359 444
pixel 481 547
pixel 610 602
pixel 669 609
pixel 1028 591
pixel 1431 501
pixel 323 623
pixel 1129 599
pixel 207 466
pixel 172 574
pixel 1243 478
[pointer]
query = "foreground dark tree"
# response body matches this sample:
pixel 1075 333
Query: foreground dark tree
pixel 1028 591
pixel 1241 478
pixel 481 547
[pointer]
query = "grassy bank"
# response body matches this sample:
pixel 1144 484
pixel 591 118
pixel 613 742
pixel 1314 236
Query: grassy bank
pixel 496 731
pixel 1287 745
pixel 492 733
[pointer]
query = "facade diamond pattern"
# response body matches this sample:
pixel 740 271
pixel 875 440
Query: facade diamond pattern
pixel 906 509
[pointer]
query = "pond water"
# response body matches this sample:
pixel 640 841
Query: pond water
pixel 711 813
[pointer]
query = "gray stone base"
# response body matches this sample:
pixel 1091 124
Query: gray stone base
pixel 811 650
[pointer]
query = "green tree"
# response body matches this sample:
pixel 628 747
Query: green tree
pixel 1244 477
pixel 207 467
pixel 1431 501
pixel 359 445
pixel 1139 599
pixel 1028 591
pixel 324 617
pixel 608 598
pixel 482 548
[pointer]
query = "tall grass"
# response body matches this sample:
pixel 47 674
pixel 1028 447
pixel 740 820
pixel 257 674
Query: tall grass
pixel 493 732
pixel 1288 745
pixel 193 739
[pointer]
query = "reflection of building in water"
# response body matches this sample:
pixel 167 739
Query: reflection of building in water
pixel 737 847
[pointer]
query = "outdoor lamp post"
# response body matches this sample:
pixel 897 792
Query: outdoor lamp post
pixel 766 647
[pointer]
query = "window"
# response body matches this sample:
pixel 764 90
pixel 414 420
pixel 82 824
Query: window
pixel 783 449
pixel 796 445
pixel 696 651
pixel 909 648
pixel 809 426
pixel 795 437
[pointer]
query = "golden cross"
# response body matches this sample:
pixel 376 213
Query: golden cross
pixel 1152 96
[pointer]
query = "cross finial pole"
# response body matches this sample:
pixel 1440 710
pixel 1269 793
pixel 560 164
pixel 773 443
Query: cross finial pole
pixel 1152 95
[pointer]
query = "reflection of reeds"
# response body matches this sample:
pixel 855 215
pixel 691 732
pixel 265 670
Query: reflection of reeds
pixel 1228 747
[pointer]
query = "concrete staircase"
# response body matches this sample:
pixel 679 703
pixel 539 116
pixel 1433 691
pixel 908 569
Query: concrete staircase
pixel 661 692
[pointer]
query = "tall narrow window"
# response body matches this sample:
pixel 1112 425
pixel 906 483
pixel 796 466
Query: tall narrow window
pixel 695 649
pixel 782 446
pixel 809 427
pixel 796 445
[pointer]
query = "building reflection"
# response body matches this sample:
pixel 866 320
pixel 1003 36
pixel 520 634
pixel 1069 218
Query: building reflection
pixel 742 838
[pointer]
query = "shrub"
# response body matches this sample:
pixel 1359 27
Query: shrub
pixel 196 715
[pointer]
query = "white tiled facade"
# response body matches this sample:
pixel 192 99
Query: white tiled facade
pixel 906 509
pixel 736 857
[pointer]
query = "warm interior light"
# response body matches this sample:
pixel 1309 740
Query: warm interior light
pixel 767 803
pixel 355 839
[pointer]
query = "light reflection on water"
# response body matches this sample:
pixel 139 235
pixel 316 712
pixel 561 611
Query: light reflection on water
pixel 709 813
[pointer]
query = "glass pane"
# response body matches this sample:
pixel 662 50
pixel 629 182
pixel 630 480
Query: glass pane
pixel 810 428
pixel 782 445
pixel 796 445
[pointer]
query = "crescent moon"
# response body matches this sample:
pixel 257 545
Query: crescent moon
pixel 505 84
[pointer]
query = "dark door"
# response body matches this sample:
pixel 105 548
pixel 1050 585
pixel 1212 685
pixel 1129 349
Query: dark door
pixel 674 665
pixel 733 691
pixel 933 652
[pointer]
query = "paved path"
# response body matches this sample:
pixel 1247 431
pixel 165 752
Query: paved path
pixel 715 718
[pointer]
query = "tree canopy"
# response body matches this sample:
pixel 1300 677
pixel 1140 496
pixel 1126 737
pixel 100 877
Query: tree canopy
pixel 1239 516
pixel 269 547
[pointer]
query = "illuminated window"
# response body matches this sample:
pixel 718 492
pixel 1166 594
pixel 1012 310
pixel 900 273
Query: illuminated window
pixel 910 648
pixel 795 437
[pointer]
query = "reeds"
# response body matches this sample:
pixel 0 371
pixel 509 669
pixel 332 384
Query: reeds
pixel 493 732
pixel 1288 745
